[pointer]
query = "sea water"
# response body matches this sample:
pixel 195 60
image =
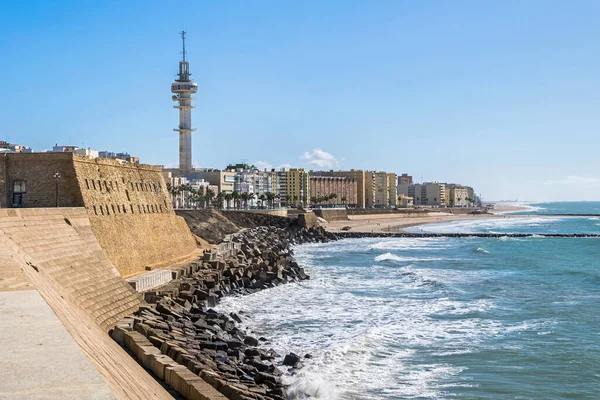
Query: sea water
pixel 442 318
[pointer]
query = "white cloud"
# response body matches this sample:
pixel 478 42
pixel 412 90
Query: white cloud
pixel 261 165
pixel 321 159
pixel 574 180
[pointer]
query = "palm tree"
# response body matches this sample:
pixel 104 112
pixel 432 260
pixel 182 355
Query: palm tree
pixel 270 198
pixel 172 190
pixel 313 200
pixel 220 198
pixel 209 196
pixel 333 196
pixel 262 199
pixel 244 199
pixel 198 197
pixel 295 198
pixel 344 200
pixel 228 196
pixel 251 197
pixel 186 189
pixel 235 196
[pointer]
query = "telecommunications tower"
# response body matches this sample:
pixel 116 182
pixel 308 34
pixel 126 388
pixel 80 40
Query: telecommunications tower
pixel 183 88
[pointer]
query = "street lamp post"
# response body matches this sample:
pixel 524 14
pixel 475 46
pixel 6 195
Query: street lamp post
pixel 57 180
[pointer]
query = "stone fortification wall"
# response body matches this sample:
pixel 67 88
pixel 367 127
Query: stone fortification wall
pixel 131 214
pixel 36 170
pixel 332 214
pixel 128 204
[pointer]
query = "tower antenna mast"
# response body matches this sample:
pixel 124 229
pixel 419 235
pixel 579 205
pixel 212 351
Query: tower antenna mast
pixel 183 39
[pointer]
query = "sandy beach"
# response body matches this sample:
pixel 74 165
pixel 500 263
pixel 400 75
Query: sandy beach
pixel 398 222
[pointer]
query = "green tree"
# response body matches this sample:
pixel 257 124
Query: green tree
pixel 220 199
pixel 244 200
pixel 208 197
pixel 228 196
pixel 235 196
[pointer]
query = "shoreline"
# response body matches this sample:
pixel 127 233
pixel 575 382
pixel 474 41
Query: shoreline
pixel 191 347
pixel 397 223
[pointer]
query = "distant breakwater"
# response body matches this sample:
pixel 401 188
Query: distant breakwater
pixel 358 235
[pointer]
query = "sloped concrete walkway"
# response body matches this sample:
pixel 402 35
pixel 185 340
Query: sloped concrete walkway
pixel 40 359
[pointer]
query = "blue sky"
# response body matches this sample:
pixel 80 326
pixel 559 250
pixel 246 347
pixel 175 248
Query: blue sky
pixel 502 95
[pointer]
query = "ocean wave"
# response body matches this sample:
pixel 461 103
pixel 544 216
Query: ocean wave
pixel 491 225
pixel 482 250
pixel 393 257
pixel 412 244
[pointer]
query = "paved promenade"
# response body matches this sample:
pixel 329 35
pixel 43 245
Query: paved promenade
pixel 40 359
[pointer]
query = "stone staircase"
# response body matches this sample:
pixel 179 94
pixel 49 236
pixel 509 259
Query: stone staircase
pixel 55 252
pixel 60 243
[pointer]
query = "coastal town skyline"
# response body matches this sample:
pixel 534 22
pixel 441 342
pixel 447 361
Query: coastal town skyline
pixel 322 105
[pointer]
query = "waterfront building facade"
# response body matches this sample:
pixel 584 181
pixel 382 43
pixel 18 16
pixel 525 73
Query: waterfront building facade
pixel 460 195
pixel 223 180
pixel 405 201
pixel 425 194
pixel 364 183
pixel 457 196
pixel 258 183
pixel 294 187
pixel 384 190
pixel 343 188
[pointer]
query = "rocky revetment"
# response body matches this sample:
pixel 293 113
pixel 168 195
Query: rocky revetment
pixel 200 353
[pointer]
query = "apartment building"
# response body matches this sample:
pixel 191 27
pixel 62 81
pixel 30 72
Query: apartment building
pixel 344 189
pixel 294 187
pixel 253 180
pixel 364 184
pixel 459 195
pixel 405 179
pixel 425 194
pixel 384 190
pixel 223 180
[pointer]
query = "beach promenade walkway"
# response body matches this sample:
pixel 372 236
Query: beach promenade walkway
pixel 58 295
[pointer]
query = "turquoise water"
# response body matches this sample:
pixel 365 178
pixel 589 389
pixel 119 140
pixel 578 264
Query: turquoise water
pixel 443 318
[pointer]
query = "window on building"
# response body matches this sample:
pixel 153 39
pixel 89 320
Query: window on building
pixel 124 209
pixel 87 184
pixel 19 187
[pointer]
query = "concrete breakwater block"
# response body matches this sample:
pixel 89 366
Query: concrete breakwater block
pixel 150 280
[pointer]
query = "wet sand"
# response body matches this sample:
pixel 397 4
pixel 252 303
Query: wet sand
pixel 398 222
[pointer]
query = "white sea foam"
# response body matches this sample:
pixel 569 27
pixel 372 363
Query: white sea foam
pixel 482 250
pixel 413 244
pixel 367 329
pixel 393 257
pixel 529 208
pixel 492 225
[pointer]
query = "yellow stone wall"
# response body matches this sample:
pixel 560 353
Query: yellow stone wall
pixel 131 214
